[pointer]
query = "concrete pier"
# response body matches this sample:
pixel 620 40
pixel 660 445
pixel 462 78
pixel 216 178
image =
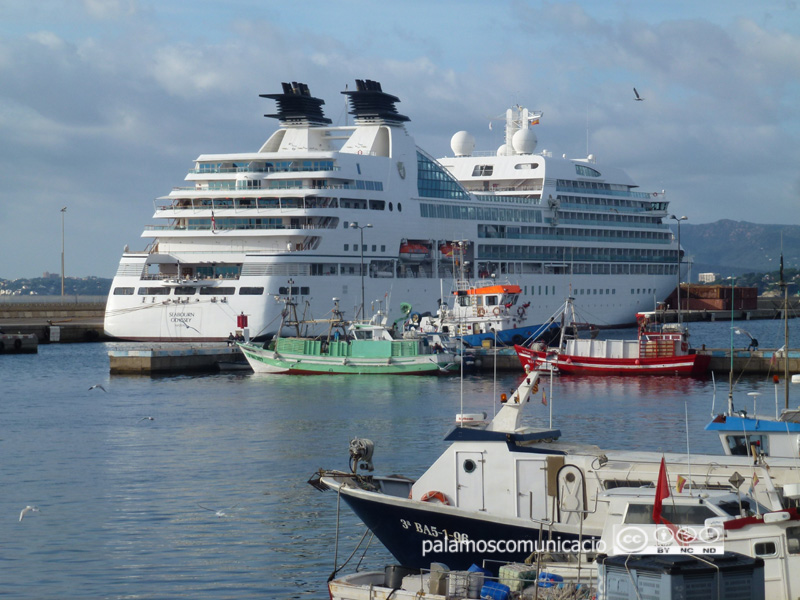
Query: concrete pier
pixel 755 361
pixel 58 319
pixel 143 359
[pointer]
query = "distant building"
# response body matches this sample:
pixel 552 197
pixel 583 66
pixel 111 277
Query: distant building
pixel 714 297
pixel 707 277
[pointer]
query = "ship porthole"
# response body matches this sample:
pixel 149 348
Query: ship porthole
pixel 391 208
pixel 399 207
pixel 469 465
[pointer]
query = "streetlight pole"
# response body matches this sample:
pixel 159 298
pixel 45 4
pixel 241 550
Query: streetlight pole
pixel 361 229
pixel 678 289
pixel 63 212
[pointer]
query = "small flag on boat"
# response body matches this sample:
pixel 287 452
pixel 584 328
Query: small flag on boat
pixel 544 397
pixel 753 485
pixel 490 125
pixel 662 492
pixel 680 484
pixel 534 121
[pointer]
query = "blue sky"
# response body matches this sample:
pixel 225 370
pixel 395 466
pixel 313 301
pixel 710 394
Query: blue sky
pixel 105 103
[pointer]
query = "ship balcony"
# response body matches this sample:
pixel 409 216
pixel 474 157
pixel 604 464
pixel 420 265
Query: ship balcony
pixel 180 205
pixel 228 225
pixel 315 169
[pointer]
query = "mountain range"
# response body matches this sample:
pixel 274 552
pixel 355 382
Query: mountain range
pixel 736 247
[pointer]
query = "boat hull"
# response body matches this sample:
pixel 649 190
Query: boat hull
pixel 266 361
pixel 409 528
pixel 688 364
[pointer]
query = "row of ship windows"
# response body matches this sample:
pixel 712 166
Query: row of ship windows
pixel 480 213
pixel 280 166
pixel 572 233
pixel 305 290
pixel 189 291
pixel 610 202
pixel 292 184
pixel 513 252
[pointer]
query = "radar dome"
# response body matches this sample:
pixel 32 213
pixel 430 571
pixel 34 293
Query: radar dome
pixel 524 141
pixel 462 143
pixel 504 150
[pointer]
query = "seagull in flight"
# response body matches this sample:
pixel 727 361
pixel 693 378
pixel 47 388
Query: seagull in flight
pixel 26 510
pixel 219 513
pixel 638 97
pixel 146 419
pixel 97 385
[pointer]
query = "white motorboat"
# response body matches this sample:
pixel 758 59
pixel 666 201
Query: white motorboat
pixel 504 481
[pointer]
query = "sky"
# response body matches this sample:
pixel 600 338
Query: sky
pixel 104 104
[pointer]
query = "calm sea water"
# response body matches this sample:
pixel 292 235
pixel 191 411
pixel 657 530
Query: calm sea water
pixel 120 497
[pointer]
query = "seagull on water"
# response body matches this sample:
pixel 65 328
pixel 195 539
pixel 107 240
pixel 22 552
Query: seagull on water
pixel 638 97
pixel 147 419
pixel 219 513
pixel 97 385
pixel 26 510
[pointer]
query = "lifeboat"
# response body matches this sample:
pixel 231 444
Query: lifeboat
pixel 447 250
pixel 413 252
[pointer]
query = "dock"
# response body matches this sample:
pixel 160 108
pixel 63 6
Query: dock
pixel 55 319
pixel 769 362
pixel 142 359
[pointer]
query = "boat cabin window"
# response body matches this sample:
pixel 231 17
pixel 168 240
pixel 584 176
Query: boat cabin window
pixel 765 549
pixel 793 540
pixel 749 508
pixel 482 170
pixel 123 291
pixel 251 291
pixel 610 484
pixel 642 514
pixel 741 445
pixel 492 300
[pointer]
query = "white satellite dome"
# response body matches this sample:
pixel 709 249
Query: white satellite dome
pixel 462 143
pixel 504 150
pixel 524 141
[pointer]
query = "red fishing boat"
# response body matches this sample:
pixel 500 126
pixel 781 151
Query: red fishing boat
pixel 660 349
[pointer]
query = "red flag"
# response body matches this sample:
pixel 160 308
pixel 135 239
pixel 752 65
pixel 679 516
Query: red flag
pixel 662 491
pixel 544 397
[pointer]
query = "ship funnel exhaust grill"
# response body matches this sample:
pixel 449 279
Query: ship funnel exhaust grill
pixel 369 103
pixel 296 106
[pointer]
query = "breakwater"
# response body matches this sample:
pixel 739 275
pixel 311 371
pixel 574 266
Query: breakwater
pixel 55 319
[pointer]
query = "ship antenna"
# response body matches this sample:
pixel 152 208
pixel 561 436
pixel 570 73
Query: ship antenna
pixel 587 130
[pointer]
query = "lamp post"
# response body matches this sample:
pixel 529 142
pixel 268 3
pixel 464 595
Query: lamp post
pixel 678 220
pixel 63 212
pixel 361 229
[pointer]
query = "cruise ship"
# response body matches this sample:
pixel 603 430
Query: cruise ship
pixel 360 213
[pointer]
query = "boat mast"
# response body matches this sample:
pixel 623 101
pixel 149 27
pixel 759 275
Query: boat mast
pixel 783 285
pixel 730 373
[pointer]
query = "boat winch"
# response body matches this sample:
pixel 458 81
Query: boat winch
pixel 361 450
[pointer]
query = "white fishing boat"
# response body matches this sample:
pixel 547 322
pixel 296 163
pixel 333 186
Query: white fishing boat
pixel 248 222
pixel 504 481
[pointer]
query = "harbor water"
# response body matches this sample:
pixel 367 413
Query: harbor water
pixel 124 500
